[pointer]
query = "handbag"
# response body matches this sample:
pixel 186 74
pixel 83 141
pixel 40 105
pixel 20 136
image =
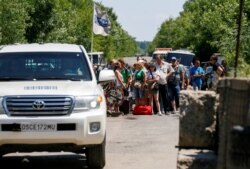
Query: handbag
pixel 155 85
pixel 137 84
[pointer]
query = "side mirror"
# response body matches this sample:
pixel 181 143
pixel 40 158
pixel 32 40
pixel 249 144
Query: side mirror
pixel 106 75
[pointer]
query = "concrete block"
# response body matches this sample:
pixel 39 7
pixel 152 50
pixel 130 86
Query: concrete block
pixel 196 159
pixel 234 109
pixel 198 119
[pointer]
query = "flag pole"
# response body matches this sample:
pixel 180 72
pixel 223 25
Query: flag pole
pixel 93 20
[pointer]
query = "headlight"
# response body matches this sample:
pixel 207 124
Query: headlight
pixel 1 106
pixel 87 102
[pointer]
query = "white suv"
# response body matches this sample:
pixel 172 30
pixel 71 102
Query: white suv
pixel 50 100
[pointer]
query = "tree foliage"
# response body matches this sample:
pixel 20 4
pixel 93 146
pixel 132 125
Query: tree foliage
pixel 206 27
pixel 62 21
pixel 13 21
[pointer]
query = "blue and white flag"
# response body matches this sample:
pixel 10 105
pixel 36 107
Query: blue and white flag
pixel 101 22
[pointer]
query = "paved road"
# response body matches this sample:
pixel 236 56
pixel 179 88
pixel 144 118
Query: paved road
pixel 142 142
pixel 133 142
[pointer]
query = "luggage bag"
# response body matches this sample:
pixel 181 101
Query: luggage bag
pixel 142 110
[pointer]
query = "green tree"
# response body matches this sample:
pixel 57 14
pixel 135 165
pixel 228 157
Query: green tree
pixel 40 22
pixel 13 21
pixel 207 27
pixel 62 21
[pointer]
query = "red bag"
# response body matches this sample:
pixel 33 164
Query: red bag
pixel 142 110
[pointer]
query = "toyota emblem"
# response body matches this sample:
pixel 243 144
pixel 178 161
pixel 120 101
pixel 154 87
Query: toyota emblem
pixel 38 105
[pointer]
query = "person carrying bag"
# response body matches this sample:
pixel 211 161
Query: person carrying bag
pixel 152 80
pixel 139 84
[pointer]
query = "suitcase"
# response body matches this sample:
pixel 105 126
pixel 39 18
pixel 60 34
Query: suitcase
pixel 125 107
pixel 142 110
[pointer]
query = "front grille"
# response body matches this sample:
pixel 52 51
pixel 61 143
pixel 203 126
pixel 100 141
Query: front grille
pixel 38 106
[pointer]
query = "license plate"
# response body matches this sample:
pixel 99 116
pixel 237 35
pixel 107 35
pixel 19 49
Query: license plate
pixel 29 127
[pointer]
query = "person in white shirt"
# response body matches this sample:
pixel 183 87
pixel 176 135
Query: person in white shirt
pixel 164 70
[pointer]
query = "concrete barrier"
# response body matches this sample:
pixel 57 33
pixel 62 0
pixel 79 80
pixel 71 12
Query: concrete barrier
pixel 239 148
pixel 204 115
pixel 196 159
pixel 198 119
pixel 234 109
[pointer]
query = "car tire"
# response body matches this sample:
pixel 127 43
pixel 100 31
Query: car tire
pixel 96 155
pixel 2 153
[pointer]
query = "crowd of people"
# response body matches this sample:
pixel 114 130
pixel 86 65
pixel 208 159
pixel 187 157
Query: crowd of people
pixel 157 83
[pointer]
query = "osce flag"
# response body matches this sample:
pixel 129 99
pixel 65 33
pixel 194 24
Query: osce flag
pixel 101 23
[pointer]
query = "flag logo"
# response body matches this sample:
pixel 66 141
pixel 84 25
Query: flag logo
pixel 101 22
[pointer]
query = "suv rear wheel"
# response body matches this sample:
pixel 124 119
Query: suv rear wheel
pixel 96 155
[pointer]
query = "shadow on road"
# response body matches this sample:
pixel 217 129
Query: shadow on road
pixel 48 161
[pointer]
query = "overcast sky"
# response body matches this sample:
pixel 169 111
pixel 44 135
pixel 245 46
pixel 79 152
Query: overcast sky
pixel 143 18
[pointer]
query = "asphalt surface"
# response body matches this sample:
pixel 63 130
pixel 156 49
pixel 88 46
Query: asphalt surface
pixel 142 142
pixel 133 142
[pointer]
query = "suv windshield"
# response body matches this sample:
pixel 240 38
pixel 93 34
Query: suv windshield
pixel 44 65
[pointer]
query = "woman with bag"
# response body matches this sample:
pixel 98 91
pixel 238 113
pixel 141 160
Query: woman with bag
pixel 139 84
pixel 153 88
pixel 119 86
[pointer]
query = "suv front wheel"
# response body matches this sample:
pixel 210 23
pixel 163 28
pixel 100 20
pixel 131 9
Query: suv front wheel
pixel 96 155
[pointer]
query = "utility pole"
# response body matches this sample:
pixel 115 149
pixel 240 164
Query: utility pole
pixel 238 37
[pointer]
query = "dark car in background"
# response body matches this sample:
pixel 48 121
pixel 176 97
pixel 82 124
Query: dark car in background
pixel 184 56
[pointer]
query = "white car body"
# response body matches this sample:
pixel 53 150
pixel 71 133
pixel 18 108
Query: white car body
pixel 82 134
pixel 78 126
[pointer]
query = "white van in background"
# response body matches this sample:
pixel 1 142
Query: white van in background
pixel 96 58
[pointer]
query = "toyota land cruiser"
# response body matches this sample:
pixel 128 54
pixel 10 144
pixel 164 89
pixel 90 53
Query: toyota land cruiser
pixel 50 100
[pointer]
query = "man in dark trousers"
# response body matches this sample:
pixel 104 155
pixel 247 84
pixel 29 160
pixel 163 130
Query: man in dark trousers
pixel 164 70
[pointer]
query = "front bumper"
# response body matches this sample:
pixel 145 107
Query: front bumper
pixel 76 129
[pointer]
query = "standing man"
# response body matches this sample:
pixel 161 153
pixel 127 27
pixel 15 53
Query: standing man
pixel 197 74
pixel 164 70
pixel 175 85
pixel 217 71
pixel 185 81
